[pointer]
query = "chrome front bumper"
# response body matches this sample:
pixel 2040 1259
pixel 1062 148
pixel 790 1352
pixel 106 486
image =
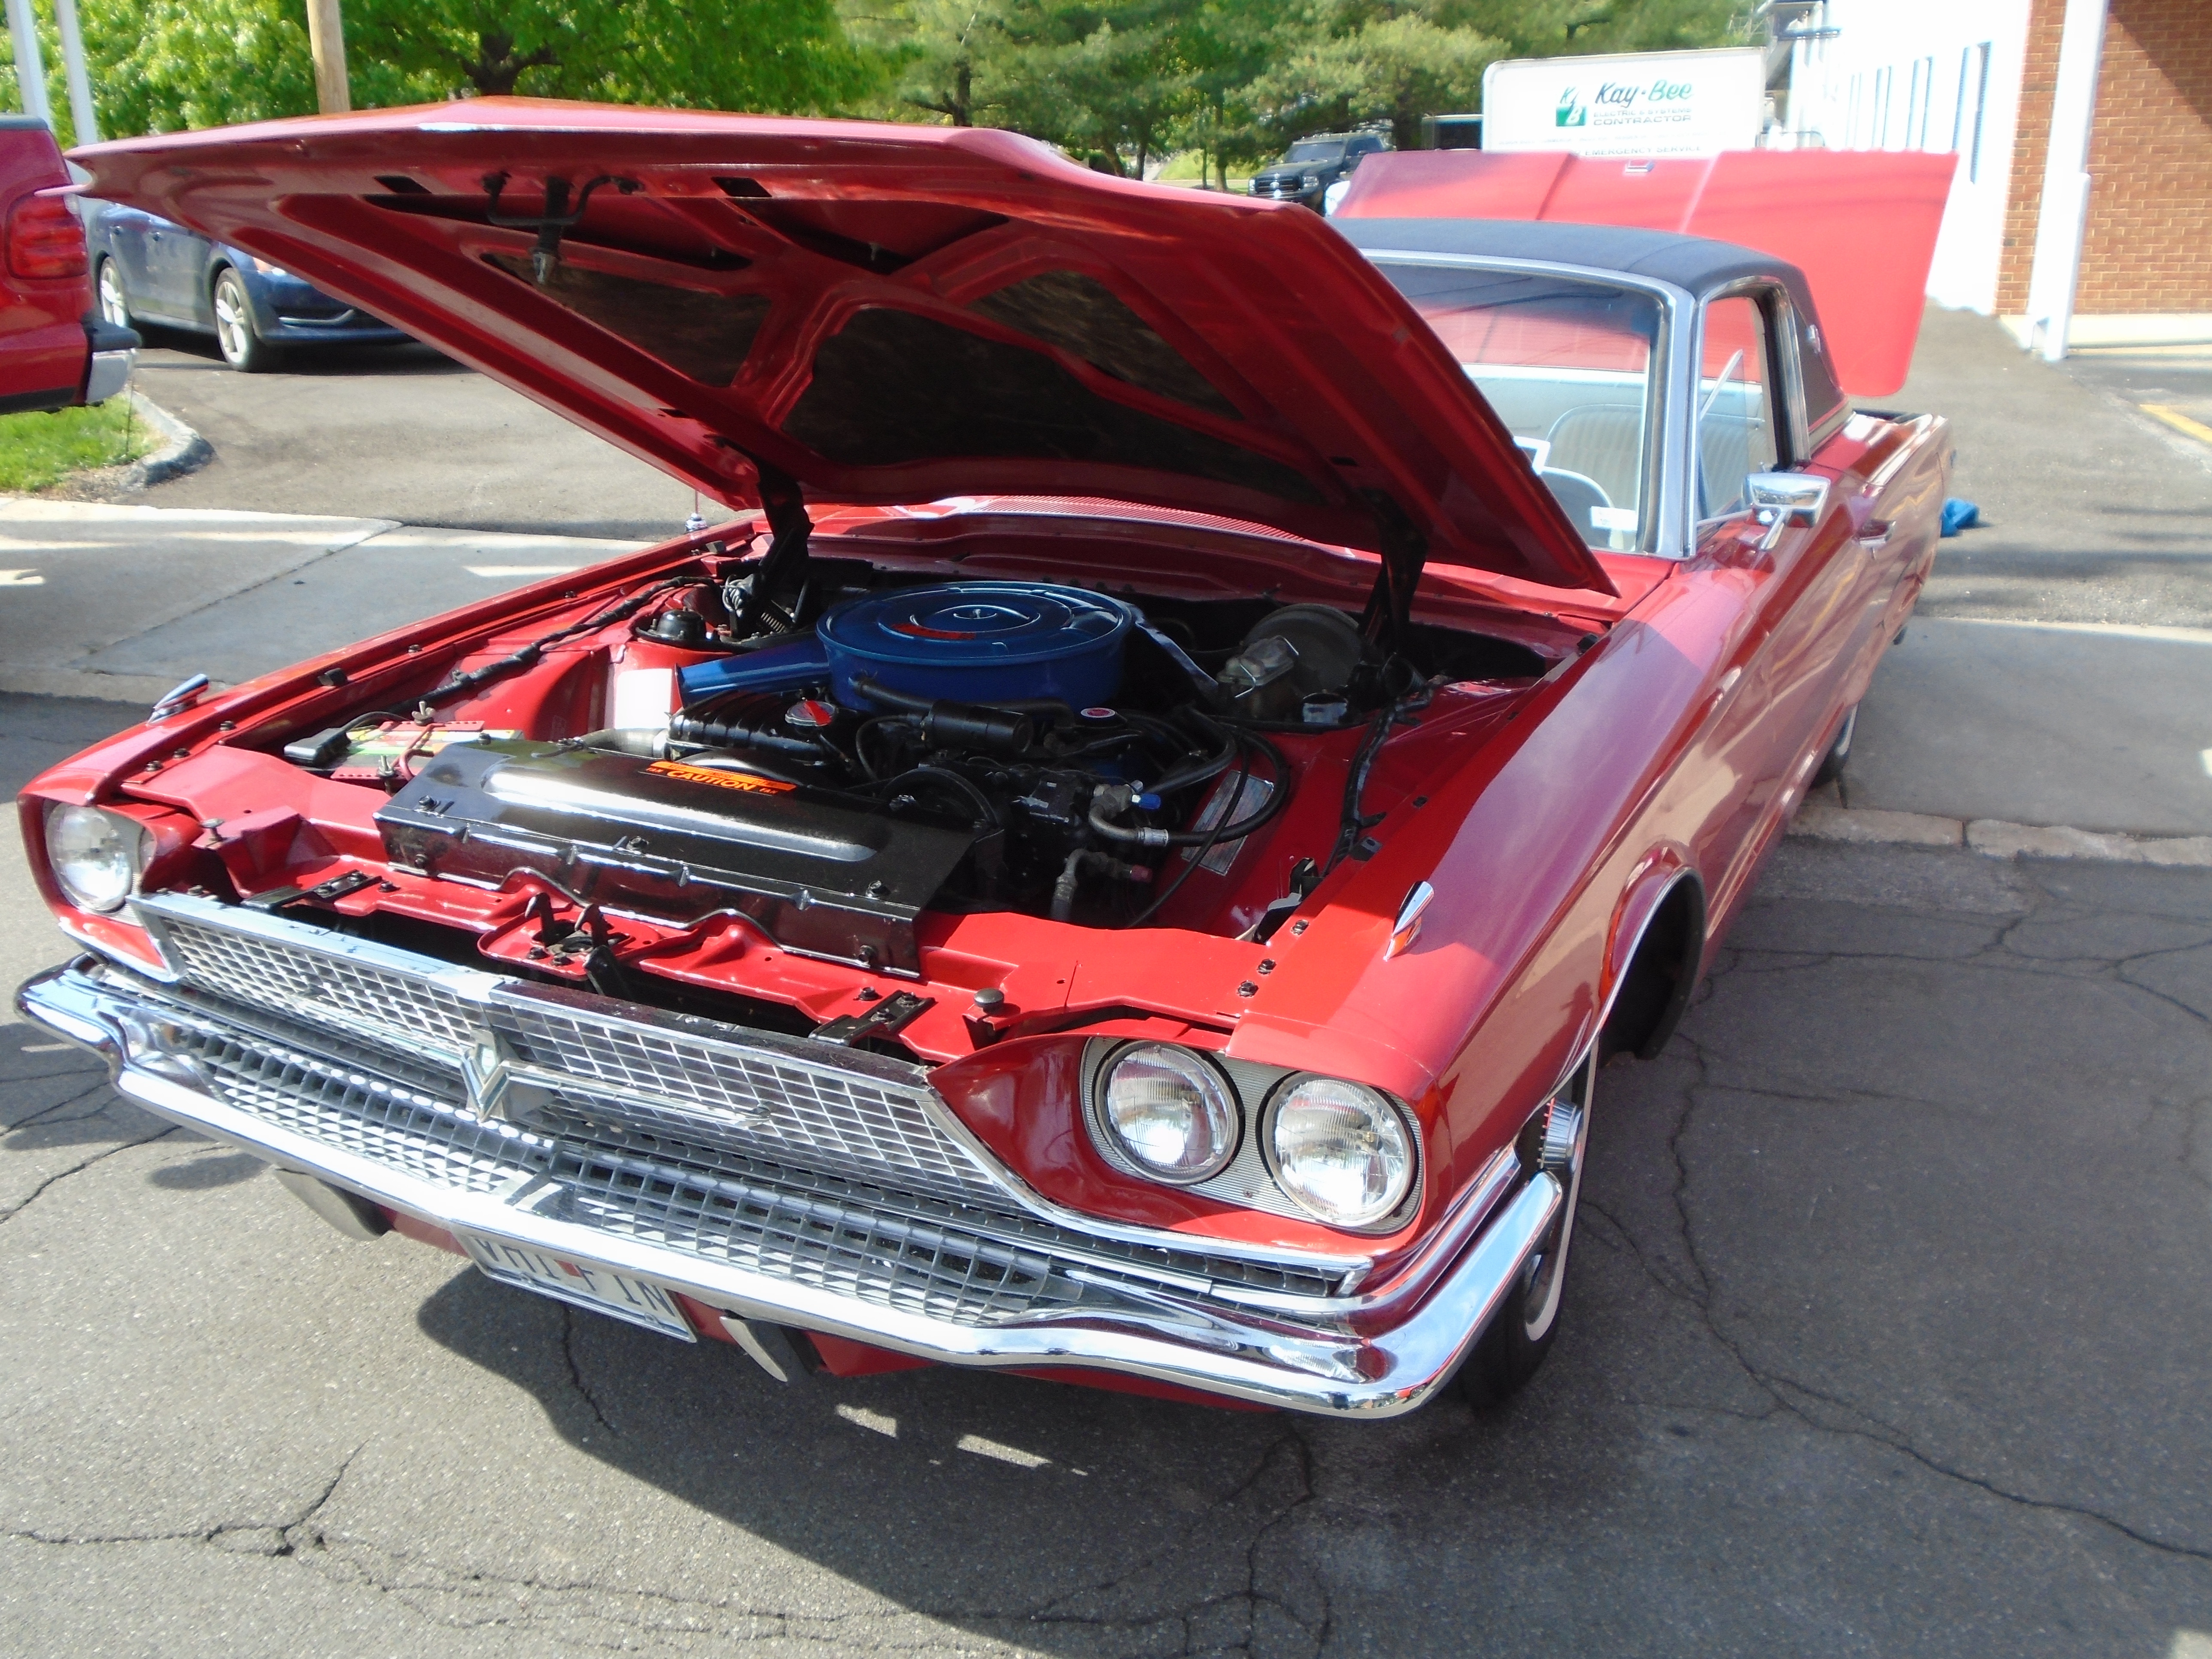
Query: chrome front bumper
pixel 1373 1354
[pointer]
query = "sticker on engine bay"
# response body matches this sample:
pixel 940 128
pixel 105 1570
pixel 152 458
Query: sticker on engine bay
pixel 744 781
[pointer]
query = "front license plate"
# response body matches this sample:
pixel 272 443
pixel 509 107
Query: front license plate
pixel 584 1283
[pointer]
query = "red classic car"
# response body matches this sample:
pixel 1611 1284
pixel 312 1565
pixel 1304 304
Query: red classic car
pixel 1125 866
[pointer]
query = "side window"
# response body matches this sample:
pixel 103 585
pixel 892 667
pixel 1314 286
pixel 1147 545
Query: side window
pixel 1736 404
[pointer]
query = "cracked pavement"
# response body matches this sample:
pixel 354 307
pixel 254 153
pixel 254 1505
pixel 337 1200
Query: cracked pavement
pixel 1886 1333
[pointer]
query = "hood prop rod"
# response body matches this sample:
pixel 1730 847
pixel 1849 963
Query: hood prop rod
pixel 784 570
pixel 557 217
pixel 1386 622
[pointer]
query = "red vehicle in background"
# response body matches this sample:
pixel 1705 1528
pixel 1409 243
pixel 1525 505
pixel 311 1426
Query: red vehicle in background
pixel 55 352
pixel 1127 864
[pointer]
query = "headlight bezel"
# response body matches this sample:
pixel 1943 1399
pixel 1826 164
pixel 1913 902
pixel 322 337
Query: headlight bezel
pixel 1250 1178
pixel 134 846
pixel 1115 1147
pixel 1382 1107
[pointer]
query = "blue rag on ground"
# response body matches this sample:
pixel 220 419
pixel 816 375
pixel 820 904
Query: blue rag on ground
pixel 1960 515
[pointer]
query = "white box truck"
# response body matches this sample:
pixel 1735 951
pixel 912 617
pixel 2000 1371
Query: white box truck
pixel 1644 103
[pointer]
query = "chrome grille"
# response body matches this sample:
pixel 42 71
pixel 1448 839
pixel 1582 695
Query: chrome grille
pixel 825 1242
pixel 767 1102
pixel 782 1098
pixel 369 1116
pixel 331 987
pixel 940 1260
pixel 797 1159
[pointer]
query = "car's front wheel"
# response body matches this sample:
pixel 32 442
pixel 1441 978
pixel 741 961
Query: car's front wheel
pixel 1507 1354
pixel 107 285
pixel 240 342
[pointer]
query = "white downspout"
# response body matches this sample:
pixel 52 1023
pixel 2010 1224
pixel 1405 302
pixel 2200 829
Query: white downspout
pixel 87 118
pixel 2064 212
pixel 30 67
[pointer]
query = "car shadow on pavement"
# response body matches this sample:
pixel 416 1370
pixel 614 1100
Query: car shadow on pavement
pixel 408 358
pixel 1054 1516
pixel 1837 1245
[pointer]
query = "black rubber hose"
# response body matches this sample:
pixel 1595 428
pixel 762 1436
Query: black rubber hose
pixel 529 654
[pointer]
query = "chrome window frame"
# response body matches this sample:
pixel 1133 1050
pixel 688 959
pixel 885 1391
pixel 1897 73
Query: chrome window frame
pixel 1785 400
pixel 1668 443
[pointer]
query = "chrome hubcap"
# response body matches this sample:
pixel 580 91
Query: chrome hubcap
pixel 1566 1138
pixel 112 305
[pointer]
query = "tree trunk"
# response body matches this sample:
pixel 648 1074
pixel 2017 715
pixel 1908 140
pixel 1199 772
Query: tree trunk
pixel 963 95
pixel 497 69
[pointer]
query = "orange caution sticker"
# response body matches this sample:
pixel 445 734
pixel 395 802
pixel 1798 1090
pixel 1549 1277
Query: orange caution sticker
pixel 743 782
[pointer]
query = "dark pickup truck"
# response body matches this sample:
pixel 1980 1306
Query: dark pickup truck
pixel 55 350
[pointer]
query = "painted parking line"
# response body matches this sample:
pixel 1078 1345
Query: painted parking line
pixel 2179 422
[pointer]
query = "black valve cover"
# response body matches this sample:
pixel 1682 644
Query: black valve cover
pixel 821 875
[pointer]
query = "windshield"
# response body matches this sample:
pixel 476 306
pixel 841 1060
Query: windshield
pixel 1316 150
pixel 1567 366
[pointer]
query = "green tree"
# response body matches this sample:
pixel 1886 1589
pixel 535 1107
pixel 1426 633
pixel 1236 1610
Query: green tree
pixel 1378 62
pixel 780 55
pixel 165 65
pixel 160 65
pixel 942 58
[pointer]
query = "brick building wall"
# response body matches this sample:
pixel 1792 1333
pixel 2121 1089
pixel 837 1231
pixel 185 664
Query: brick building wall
pixel 2031 148
pixel 2148 246
pixel 2149 243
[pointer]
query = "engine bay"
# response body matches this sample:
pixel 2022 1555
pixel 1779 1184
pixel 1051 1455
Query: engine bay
pixel 831 758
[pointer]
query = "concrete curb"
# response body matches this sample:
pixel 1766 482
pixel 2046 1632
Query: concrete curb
pixel 1820 820
pixel 182 451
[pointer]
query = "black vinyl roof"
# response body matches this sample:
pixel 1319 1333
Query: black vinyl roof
pixel 1689 262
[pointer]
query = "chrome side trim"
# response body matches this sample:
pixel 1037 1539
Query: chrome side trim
pixel 1402 1344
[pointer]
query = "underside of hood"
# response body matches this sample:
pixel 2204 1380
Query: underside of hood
pixel 886 314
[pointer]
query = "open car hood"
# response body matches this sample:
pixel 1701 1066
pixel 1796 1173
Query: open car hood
pixel 885 313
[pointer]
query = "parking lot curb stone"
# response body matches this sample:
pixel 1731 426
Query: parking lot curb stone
pixel 1823 820
pixel 183 450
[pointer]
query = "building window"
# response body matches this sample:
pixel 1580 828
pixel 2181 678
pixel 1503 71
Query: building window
pixel 1966 119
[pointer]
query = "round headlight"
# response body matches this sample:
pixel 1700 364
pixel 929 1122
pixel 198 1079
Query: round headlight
pixel 95 855
pixel 1167 1113
pixel 1342 1152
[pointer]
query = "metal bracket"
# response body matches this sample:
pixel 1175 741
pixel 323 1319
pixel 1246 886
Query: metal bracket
pixel 894 1013
pixel 557 217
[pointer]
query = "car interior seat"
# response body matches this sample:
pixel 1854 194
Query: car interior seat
pixel 1604 443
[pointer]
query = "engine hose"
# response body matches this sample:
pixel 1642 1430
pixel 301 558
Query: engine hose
pixel 739 733
pixel 1114 799
pixel 1182 777
pixel 945 774
pixel 1278 798
pixel 1071 875
pixel 528 656
pixel 913 703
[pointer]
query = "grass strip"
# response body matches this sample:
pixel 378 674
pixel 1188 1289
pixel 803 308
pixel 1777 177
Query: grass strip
pixel 38 450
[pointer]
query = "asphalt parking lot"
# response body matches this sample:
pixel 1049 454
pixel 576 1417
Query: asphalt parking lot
pixel 397 432
pixel 1887 1326
pixel 1887 1336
